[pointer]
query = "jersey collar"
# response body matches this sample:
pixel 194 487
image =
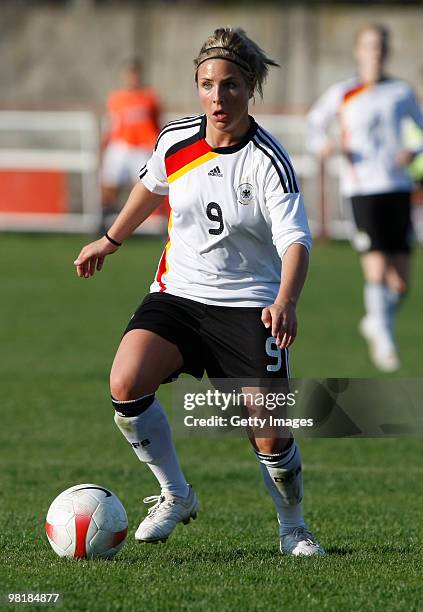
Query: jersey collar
pixel 232 148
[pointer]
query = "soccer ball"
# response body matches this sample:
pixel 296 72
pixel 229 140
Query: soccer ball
pixel 86 521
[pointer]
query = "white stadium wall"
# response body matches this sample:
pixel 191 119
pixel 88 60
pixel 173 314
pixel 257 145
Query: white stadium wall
pixel 71 55
pixel 68 58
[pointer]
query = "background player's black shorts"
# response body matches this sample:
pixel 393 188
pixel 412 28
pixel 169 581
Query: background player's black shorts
pixel 224 342
pixel 383 222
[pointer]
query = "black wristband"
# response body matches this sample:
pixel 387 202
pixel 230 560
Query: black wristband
pixel 112 240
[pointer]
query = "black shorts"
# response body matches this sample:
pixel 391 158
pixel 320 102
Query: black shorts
pixel 383 222
pixel 224 342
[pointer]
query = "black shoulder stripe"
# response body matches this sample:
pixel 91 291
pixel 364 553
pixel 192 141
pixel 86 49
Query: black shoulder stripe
pixel 282 159
pixel 274 162
pixel 176 127
pixel 143 171
pixel 277 147
pixel 274 146
pixel 184 120
pixel 181 144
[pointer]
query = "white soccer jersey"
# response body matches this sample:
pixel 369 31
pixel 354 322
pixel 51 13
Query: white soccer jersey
pixel 234 212
pixel 371 120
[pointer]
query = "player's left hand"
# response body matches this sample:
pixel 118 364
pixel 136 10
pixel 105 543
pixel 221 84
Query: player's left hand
pixel 282 319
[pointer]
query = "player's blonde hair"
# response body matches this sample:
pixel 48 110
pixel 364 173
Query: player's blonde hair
pixel 234 45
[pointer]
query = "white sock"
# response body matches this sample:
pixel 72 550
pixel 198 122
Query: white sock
pixel 282 476
pixel 150 436
pixel 376 304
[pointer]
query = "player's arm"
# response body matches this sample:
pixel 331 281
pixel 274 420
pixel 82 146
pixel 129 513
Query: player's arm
pixel 144 198
pixel 319 119
pixel 156 113
pixel 281 316
pixel 140 204
pixel 106 125
pixel 105 133
pixel 414 110
pixel 292 239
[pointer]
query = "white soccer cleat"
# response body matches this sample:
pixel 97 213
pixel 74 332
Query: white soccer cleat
pixel 382 347
pixel 300 542
pixel 386 360
pixel 162 518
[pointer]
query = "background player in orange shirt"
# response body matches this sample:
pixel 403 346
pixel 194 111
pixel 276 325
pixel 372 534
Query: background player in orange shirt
pixel 133 116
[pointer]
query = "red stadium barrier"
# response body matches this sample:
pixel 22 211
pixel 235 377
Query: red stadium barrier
pixel 33 191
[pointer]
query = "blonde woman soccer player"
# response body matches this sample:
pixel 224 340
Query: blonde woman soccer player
pixel 370 108
pixel 220 302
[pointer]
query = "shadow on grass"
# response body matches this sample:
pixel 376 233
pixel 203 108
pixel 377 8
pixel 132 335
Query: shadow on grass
pixel 236 555
pixel 161 554
pixel 338 551
pixel 193 556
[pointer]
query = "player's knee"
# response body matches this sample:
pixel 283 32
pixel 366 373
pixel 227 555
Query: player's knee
pixel 269 446
pixel 401 287
pixel 124 387
pixel 120 387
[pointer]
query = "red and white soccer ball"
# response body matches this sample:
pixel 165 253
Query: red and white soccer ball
pixel 86 521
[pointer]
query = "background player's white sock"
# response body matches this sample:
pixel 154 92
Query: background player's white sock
pixel 149 435
pixel 376 304
pixel 282 476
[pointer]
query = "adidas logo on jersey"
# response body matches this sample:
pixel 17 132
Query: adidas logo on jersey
pixel 215 172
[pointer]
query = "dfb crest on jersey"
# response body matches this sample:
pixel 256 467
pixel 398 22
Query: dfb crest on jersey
pixel 245 193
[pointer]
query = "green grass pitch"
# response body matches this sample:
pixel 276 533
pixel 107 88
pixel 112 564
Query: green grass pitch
pixel 58 337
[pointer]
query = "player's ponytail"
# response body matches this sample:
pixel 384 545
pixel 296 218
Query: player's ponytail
pixel 234 45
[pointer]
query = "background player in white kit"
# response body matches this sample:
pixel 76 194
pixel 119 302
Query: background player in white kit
pixel 220 301
pixel 370 108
